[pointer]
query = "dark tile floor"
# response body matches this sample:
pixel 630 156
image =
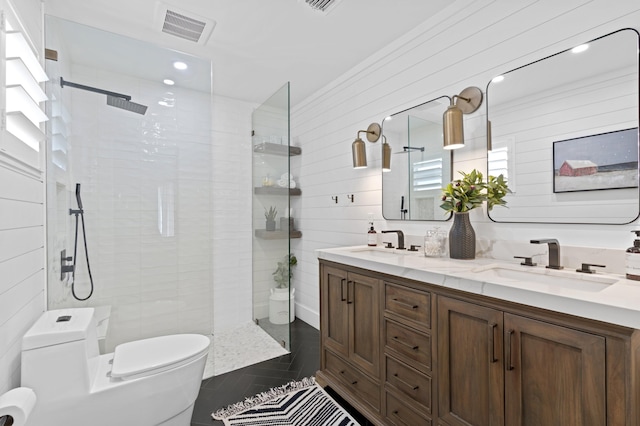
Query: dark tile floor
pixel 303 361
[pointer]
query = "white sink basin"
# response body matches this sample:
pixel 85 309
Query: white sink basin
pixel 538 277
pixel 379 251
pixel 382 252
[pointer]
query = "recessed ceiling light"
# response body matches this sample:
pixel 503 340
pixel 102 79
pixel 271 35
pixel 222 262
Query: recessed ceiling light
pixel 180 65
pixel 497 79
pixel 168 82
pixel 580 48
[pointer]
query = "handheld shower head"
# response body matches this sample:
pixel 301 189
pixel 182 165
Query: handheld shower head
pixel 78 199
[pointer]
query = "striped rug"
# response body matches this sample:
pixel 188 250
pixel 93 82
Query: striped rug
pixel 302 403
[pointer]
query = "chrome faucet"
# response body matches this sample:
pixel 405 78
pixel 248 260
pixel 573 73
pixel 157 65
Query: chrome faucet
pixel 400 238
pixel 554 251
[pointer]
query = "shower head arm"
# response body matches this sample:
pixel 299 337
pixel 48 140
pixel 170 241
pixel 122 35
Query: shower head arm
pixel 93 89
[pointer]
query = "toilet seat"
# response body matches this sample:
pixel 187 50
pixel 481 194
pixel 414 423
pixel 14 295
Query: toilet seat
pixel 145 357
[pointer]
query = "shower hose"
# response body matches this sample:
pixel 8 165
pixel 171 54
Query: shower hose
pixel 80 213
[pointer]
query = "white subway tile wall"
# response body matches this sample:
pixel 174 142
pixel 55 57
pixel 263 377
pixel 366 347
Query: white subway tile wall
pixel 147 195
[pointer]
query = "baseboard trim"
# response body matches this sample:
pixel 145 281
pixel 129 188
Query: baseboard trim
pixel 308 315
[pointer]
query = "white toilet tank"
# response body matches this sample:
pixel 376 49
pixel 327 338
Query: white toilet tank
pixel 66 339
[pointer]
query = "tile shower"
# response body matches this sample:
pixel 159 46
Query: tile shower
pixel 147 195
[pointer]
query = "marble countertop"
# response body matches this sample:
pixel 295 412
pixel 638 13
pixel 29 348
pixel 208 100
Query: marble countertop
pixel 604 297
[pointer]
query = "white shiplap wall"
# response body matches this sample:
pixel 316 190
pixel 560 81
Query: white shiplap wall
pixel 22 237
pixel 466 44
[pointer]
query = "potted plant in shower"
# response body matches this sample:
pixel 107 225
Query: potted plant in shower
pixel 284 271
pixel 282 299
pixel 270 216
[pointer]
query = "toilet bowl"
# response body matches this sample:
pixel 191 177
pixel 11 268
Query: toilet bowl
pixel 147 382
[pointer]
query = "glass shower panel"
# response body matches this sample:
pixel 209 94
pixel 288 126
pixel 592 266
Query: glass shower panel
pixel 145 178
pixel 273 296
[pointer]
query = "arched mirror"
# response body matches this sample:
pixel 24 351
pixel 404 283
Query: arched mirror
pixel 564 131
pixel 420 167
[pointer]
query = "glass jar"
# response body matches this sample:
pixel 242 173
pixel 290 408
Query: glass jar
pixel 434 243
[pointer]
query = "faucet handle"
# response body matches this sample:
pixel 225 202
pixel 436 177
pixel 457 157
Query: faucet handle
pixel 528 261
pixel 388 244
pixel 413 247
pixel 585 268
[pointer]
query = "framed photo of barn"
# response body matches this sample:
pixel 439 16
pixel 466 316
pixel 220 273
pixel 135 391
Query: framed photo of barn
pixel 596 162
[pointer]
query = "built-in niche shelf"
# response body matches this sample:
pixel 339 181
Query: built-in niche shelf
pixel 276 235
pixel 276 190
pixel 277 149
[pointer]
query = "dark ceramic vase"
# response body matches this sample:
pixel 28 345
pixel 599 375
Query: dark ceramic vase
pixel 462 237
pixel 271 225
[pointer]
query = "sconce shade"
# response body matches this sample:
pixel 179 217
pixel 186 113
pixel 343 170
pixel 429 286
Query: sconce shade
pixel 359 154
pixel 386 157
pixel 452 126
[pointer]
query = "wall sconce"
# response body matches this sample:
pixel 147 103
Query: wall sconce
pixel 358 148
pixel 468 101
pixel 386 155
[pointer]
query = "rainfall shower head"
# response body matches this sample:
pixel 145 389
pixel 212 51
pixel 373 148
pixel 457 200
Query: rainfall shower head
pixel 126 105
pixel 114 99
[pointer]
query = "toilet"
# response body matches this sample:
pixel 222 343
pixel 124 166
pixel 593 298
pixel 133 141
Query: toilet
pixel 146 382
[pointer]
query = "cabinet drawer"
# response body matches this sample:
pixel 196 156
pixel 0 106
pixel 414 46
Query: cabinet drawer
pixel 410 304
pixel 410 382
pixel 365 388
pixel 401 414
pixel 410 344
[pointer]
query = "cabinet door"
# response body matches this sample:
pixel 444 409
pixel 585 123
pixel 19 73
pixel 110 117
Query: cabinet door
pixel 554 375
pixel 334 310
pixel 364 302
pixel 470 364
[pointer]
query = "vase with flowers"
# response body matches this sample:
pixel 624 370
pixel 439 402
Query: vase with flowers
pixel 463 195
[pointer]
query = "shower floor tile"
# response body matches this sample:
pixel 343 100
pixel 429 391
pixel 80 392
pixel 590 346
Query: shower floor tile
pixel 240 347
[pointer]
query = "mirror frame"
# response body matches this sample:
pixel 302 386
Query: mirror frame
pixel 446 179
pixel 489 132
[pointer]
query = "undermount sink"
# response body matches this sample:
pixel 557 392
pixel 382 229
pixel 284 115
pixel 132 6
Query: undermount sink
pixel 531 276
pixel 379 251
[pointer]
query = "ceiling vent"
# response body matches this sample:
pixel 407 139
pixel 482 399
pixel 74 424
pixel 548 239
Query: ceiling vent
pixel 322 5
pixel 184 24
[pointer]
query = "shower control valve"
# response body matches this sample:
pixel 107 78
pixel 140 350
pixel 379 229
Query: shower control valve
pixel 64 268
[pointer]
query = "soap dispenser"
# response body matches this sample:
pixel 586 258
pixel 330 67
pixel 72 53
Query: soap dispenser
pixel 633 259
pixel 372 237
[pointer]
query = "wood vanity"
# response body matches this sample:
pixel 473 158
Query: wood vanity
pixel 408 352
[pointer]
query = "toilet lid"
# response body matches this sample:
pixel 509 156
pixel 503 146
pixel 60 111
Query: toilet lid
pixel 149 356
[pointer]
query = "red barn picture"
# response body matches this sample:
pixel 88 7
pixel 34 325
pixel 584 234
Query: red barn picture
pixel 578 168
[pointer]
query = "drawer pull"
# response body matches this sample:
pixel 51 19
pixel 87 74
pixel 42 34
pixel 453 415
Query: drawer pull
pixel 510 334
pixel 350 286
pixel 409 305
pixel 353 382
pixel 405 383
pixel 342 298
pixel 412 347
pixel 492 345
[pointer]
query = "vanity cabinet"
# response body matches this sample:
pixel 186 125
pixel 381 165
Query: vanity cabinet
pixel 350 333
pixel 497 368
pixel 450 358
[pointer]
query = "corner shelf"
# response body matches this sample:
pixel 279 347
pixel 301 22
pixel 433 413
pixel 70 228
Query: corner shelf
pixel 276 149
pixel 276 190
pixel 277 235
